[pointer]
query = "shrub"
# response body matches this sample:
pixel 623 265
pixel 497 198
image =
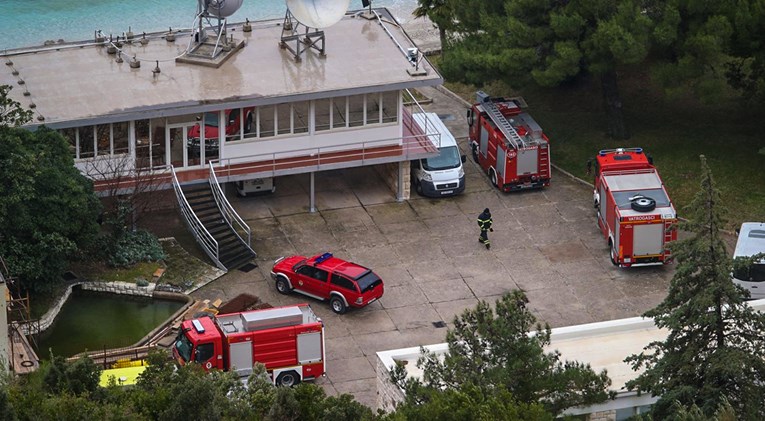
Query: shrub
pixel 142 282
pixel 134 247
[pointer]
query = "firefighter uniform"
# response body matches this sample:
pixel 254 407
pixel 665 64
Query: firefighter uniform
pixel 484 222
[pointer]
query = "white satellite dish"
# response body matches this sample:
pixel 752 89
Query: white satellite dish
pixel 318 13
pixel 223 8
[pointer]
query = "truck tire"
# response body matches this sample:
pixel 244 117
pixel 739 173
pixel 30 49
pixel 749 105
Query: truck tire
pixel 612 253
pixel 287 379
pixel 337 304
pixel 282 285
pixel 643 204
pixel 474 148
pixel 493 177
pixel 418 187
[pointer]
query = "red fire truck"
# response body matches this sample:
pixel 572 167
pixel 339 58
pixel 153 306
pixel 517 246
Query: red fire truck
pixel 289 341
pixel 634 211
pixel 508 144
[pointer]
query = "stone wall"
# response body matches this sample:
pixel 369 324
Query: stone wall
pixel 388 394
pixel 123 288
pixel 389 174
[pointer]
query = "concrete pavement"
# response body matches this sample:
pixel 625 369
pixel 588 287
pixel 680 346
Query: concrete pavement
pixel 544 242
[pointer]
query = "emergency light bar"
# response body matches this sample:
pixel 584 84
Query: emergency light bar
pixel 604 152
pixel 323 257
pixel 198 326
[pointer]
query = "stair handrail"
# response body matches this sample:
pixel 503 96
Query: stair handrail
pixel 204 238
pixel 227 210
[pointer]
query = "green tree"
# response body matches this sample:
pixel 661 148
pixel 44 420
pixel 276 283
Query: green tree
pixel 493 351
pixel 714 347
pixel 439 12
pixel 48 212
pixel 549 43
pixel 467 403
pixel 11 112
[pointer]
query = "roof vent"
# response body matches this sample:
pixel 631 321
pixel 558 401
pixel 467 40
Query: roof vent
pixel 135 63
pixel 198 326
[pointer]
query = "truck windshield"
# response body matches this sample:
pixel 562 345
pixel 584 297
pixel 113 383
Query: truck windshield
pixel 211 119
pixel 622 198
pixel 367 281
pixel 448 158
pixel 183 345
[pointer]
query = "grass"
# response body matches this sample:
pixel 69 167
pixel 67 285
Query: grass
pixel 675 132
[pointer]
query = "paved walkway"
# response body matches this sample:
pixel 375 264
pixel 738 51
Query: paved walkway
pixel 544 242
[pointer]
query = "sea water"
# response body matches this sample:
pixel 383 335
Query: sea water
pixel 30 23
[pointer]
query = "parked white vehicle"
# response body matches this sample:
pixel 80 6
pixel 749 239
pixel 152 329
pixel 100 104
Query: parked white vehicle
pixel 751 241
pixel 255 185
pixel 440 175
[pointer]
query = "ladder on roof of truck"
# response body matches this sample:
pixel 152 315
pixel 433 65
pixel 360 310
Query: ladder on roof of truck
pixel 496 116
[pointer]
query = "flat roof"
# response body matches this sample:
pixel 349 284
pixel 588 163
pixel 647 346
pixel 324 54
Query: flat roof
pixel 75 84
pixel 602 345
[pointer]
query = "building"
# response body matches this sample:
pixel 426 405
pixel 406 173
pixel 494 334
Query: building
pixel 145 109
pixel 602 345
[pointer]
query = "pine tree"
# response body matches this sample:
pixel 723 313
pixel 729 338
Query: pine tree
pixel 714 348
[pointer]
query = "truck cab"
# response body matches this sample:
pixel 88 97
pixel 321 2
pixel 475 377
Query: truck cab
pixel 234 122
pixel 443 174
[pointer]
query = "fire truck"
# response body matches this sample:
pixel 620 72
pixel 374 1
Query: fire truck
pixel 634 211
pixel 508 144
pixel 289 341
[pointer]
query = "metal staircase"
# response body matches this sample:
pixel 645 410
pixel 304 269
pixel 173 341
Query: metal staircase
pixel 218 229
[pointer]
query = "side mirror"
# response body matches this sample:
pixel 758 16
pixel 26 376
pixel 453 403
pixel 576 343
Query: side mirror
pixel 738 231
pixel 463 158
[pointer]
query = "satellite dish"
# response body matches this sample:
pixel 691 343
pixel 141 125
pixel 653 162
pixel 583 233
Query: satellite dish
pixel 223 8
pixel 318 13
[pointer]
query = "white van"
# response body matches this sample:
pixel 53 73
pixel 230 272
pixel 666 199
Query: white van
pixel 751 241
pixel 441 175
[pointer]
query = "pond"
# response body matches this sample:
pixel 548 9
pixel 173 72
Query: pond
pixel 95 321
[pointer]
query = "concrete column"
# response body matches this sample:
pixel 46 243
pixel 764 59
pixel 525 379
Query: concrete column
pixel 312 201
pixel 400 183
pixel 5 356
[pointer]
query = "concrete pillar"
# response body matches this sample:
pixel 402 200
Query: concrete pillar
pixel 4 343
pixel 402 181
pixel 312 202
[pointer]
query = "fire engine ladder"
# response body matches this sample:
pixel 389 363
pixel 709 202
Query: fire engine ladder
pixel 668 227
pixel 504 126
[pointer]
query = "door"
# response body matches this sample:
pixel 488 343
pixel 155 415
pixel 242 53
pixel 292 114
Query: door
pixel 184 151
pixel 528 161
pixel 309 348
pixel 647 239
pixel 241 358
pixel 313 281
pixel 501 165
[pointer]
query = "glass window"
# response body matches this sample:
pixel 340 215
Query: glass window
pixel 321 275
pixel 300 117
pixel 368 281
pixel 321 111
pixel 204 352
pixel 104 137
pixel 373 108
pixel 266 121
pixel 284 118
pixel 120 133
pixel 86 141
pixel 142 141
pixel 343 282
pixel 306 271
pixel 390 106
pixel 355 110
pixel 339 112
pixel 70 135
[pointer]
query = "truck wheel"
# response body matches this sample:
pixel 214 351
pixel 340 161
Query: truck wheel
pixel 493 177
pixel 337 304
pixel 643 204
pixel 287 379
pixel 612 253
pixel 282 285
pixel 474 148
pixel 418 187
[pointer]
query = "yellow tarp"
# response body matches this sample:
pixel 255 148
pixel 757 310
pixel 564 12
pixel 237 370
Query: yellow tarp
pixel 123 376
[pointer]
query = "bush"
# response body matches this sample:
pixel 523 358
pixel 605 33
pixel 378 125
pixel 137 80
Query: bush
pixel 142 282
pixel 134 247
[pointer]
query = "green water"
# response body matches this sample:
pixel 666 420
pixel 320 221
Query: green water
pixel 94 321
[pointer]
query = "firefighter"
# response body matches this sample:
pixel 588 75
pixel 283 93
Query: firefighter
pixel 484 222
